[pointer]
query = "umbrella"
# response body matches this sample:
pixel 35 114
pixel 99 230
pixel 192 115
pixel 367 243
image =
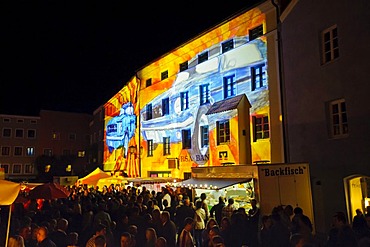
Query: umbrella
pixel 49 191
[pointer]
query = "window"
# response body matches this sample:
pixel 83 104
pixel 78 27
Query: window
pixel 30 151
pixel 72 136
pixel 150 148
pixel 261 127
pixel 19 133
pixel 81 154
pixel 204 135
pixel 148 82
pixel 186 139
pixel 223 132
pixel 6 120
pixel 330 47
pixel 33 121
pixel 48 152
pixel 55 136
pixel 184 97
pixel 31 133
pixel 18 151
pixel 255 32
pixel 5 151
pixel 164 75
pixel 149 112
pixel 7 132
pixel 258 75
pixel 66 152
pixel 202 57
pixel 166 146
pixel 17 168
pixel 227 46
pixel 338 118
pixel 165 106
pixel 229 86
pixel 184 66
pixel 28 168
pixel 204 94
pixel 5 167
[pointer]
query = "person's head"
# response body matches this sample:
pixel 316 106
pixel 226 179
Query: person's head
pixel 359 211
pixel 221 199
pixel 339 219
pixel 16 241
pixel 72 238
pixel 198 204
pixel 254 203
pixel 297 240
pixel 126 239
pixel 165 216
pixel 230 201
pixel 288 210
pixel 203 196
pixel 132 229
pixel 62 224
pixel 225 223
pixel 266 221
pixel 189 223
pixel 298 210
pixel 210 223
pixel 100 241
pixel 217 241
pixel 186 200
pixel 215 230
pixel 161 242
pixel 25 232
pixel 42 233
pixel 150 235
pixel 101 229
pixel 165 203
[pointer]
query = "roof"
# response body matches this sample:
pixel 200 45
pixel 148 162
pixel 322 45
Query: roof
pixel 225 105
pixel 213 183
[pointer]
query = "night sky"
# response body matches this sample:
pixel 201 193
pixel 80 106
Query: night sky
pixel 75 55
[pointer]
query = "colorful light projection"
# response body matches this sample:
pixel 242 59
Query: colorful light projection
pixel 176 107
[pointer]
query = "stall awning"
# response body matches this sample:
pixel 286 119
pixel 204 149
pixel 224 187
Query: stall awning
pixel 212 183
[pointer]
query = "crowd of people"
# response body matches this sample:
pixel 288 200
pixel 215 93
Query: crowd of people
pixel 127 216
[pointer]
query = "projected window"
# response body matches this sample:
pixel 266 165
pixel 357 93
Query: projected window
pixel 166 146
pixel 330 47
pixel 255 32
pixel 165 106
pixel 30 151
pixel 184 66
pixel 5 151
pixel 258 75
pixel 204 135
pixel 338 120
pixel 202 57
pixel 204 94
pixel 227 46
pixel 261 127
pixel 18 151
pixel 229 86
pixel 7 132
pixel 223 132
pixel 150 148
pixel 149 114
pixel 148 82
pixel 164 75
pixel 184 99
pixel 186 139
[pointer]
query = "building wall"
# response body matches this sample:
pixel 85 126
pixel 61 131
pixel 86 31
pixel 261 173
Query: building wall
pixel 310 85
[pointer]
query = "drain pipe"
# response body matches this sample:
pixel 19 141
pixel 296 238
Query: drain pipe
pixel 282 86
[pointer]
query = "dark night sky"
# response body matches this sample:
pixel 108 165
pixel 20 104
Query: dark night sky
pixel 75 55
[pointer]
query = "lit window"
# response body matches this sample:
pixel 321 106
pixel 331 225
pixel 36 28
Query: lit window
pixel 150 148
pixel 227 46
pixel 184 97
pixel 255 32
pixel 165 106
pixel 186 139
pixel 81 154
pixel 258 75
pixel 330 46
pixel 204 135
pixel 7 132
pixel 261 127
pixel 149 112
pixel 166 146
pixel 338 118
pixel 56 136
pixel 229 86
pixel 30 151
pixel 204 94
pixel 223 132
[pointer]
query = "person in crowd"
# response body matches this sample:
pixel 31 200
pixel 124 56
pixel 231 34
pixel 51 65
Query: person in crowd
pixel 186 238
pixel 126 240
pixel 302 224
pixel 203 199
pixel 161 242
pixel 168 230
pixel 216 210
pixel 16 241
pixel 26 233
pixel 280 233
pixel 341 233
pixel 254 223
pixel 72 239
pixel 59 236
pixel 42 238
pixel 228 210
pixel 150 237
pixel 264 236
pixel 205 233
pixel 182 212
pixel 199 225
pixel 359 225
pixel 100 229
pixel 100 241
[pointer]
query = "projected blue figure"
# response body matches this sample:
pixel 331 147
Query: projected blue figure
pixel 181 110
pixel 121 128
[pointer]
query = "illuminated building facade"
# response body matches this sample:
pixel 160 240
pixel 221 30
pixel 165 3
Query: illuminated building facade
pixel 213 101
